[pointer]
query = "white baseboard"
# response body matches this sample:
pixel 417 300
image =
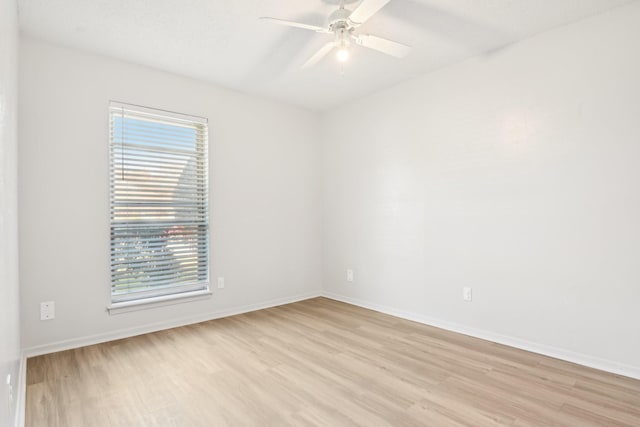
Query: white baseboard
pixel 555 352
pixel 21 392
pixel 159 326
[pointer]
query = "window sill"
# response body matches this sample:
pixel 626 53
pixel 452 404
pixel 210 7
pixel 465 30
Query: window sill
pixel 146 303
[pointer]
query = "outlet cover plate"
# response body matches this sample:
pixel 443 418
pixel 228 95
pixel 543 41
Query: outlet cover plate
pixel 466 294
pixel 47 310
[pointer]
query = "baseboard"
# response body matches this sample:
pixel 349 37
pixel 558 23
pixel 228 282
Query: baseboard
pixel 555 352
pixel 21 392
pixel 159 326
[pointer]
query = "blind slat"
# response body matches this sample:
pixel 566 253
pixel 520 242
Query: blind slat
pixel 130 294
pixel 124 253
pixel 187 264
pixel 151 149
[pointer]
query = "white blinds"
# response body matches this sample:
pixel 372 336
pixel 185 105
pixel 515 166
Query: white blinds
pixel 159 208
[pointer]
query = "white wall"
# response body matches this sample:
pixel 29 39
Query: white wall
pixel 516 173
pixel 265 197
pixel 9 305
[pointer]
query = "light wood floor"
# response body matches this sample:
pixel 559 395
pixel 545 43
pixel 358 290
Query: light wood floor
pixel 319 362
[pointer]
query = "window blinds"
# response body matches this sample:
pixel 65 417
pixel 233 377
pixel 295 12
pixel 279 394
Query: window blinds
pixel 159 207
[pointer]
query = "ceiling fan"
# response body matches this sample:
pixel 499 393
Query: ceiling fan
pixel 343 24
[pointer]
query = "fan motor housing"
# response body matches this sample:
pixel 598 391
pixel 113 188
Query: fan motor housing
pixel 339 19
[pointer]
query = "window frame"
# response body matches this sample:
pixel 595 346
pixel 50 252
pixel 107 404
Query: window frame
pixel 158 294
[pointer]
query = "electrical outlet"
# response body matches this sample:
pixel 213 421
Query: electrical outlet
pixel 349 275
pixel 466 294
pixel 47 310
pixel 220 282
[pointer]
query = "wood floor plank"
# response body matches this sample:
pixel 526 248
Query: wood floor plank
pixel 319 362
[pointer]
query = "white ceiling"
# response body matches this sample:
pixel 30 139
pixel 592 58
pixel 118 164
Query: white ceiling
pixel 222 41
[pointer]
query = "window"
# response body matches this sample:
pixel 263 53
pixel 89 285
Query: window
pixel 159 204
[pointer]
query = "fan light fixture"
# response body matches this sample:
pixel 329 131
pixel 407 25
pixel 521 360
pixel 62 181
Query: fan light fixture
pixel 342 43
pixel 343 24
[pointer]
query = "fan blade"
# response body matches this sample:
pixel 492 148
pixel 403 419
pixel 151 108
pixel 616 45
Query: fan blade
pixel 295 24
pixel 389 47
pixel 366 10
pixel 324 50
